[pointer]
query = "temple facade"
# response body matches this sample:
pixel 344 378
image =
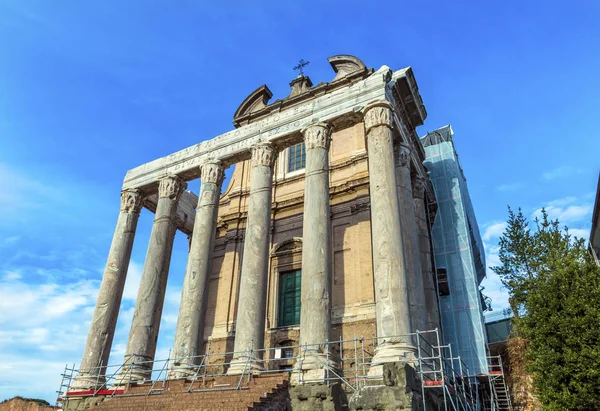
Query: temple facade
pixel 321 233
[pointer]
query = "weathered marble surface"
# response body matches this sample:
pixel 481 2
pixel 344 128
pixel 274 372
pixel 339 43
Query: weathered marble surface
pixel 315 318
pixel 414 274
pixel 190 322
pixel 389 262
pixel 104 321
pixel 237 144
pixel 250 322
pixel 145 325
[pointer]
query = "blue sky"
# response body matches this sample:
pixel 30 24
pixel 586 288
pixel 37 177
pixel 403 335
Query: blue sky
pixel 91 89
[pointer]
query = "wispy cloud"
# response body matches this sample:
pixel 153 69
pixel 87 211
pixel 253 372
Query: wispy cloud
pixel 509 187
pixel 561 172
pixel 567 210
pixel 494 230
pixel 580 233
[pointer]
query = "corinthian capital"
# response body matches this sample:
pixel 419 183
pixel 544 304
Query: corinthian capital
pixel 131 201
pixel 212 172
pixel 171 187
pixel 418 187
pixel 377 113
pixel 263 154
pixel 317 135
pixel 402 155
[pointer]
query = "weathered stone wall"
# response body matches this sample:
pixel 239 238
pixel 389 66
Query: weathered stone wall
pixel 22 404
pixel 353 300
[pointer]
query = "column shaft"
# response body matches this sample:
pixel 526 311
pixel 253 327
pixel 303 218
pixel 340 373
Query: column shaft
pixel 102 330
pixel 431 296
pixel 410 235
pixel 250 320
pixel 315 316
pixel 189 334
pixel 141 346
pixel 389 265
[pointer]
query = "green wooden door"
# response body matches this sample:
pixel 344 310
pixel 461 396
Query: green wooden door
pixel 289 298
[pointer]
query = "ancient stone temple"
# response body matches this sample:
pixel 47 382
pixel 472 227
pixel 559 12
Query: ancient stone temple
pixel 321 235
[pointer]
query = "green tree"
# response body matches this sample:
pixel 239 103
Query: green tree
pixel 554 288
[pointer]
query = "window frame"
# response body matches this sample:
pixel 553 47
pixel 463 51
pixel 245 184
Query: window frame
pixel 299 162
pixel 281 300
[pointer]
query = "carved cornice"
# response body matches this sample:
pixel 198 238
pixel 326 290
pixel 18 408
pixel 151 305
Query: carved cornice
pixel 418 187
pixel 171 187
pixel 263 154
pixel 378 113
pixel 317 135
pixel 131 201
pixel 402 155
pixel 212 172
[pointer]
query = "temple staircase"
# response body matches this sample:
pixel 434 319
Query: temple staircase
pixel 264 392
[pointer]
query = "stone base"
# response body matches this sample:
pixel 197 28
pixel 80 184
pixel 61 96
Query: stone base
pixel 85 381
pixel 245 365
pixel 179 371
pixel 390 352
pixel 398 389
pixel 316 376
pixel 318 397
pixel 314 367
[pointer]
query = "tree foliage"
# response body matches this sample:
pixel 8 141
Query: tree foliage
pixel 554 288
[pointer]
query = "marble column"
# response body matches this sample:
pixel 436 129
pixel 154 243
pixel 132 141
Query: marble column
pixel 389 263
pixel 431 297
pixel 416 293
pixel 315 315
pixel 189 334
pixel 141 346
pixel 102 330
pixel 250 320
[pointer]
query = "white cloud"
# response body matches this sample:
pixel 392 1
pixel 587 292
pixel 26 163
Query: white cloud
pixel 42 327
pixel 561 202
pixel 494 230
pixel 509 187
pixel 567 213
pixel 11 276
pixel 132 283
pixel 494 289
pixel 580 233
pixel 561 172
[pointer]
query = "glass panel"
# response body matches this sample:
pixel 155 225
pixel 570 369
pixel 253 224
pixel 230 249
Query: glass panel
pixel 297 157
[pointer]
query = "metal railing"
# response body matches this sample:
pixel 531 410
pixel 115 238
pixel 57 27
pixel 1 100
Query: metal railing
pixel 347 362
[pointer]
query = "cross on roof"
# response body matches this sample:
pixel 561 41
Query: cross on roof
pixel 300 65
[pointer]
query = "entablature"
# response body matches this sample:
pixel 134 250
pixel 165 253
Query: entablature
pixel 338 103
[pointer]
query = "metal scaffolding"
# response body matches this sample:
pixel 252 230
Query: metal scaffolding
pixel 458 252
pixel 443 375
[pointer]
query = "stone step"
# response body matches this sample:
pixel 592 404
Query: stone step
pixel 259 392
